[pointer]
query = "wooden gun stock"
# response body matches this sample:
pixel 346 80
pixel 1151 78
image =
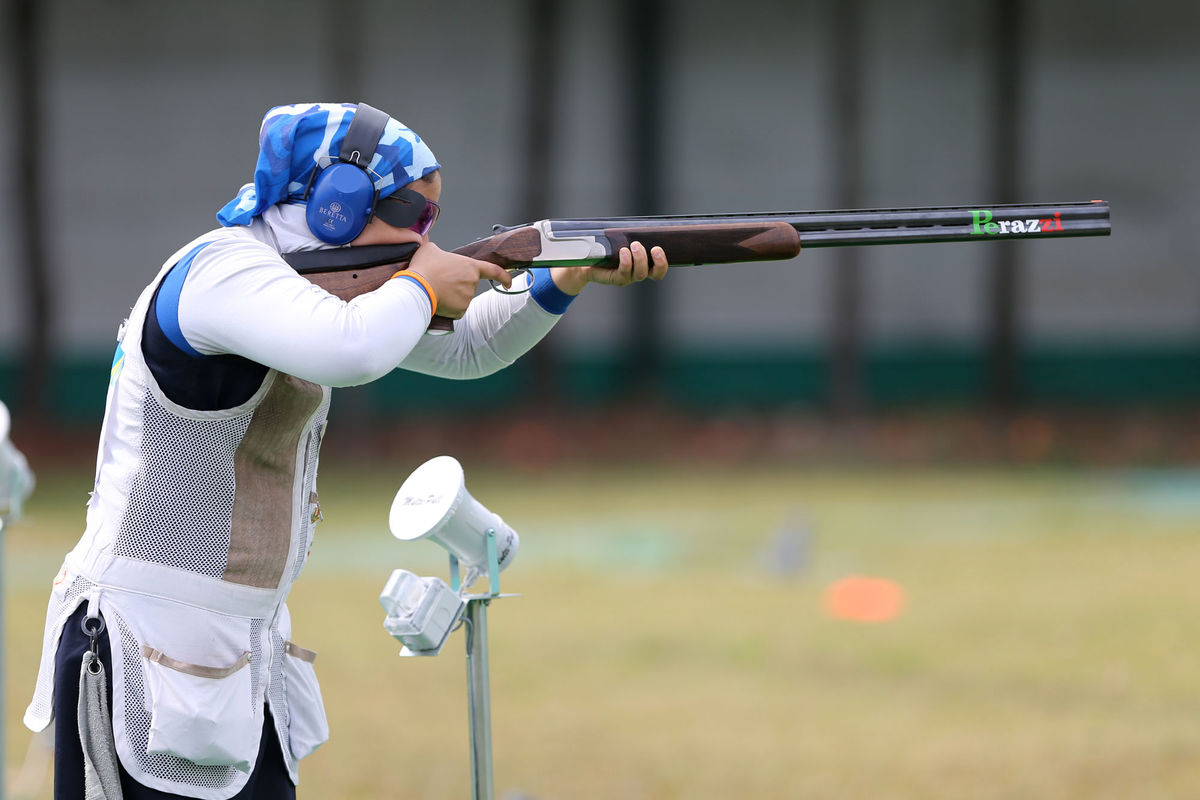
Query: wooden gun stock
pixel 350 284
pixel 510 249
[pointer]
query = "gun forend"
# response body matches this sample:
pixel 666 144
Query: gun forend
pixel 547 243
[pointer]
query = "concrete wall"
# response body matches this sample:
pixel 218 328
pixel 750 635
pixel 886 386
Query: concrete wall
pixel 153 111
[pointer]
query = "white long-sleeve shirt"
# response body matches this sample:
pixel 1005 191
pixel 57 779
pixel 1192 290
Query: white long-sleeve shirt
pixel 239 297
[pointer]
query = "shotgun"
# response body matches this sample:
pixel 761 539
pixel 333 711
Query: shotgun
pixel 709 239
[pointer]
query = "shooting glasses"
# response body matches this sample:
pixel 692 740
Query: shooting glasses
pixel 408 208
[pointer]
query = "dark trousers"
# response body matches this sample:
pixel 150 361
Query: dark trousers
pixel 268 781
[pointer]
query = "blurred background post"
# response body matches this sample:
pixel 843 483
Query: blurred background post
pixel 1008 431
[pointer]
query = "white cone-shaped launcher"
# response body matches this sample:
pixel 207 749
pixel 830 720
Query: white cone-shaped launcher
pixel 434 504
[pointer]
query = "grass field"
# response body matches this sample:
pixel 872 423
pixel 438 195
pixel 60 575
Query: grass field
pixel 671 640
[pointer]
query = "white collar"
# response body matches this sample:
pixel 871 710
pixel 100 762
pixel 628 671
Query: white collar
pixel 283 227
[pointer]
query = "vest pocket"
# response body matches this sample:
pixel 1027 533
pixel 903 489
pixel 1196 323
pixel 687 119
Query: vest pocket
pixel 202 713
pixel 308 728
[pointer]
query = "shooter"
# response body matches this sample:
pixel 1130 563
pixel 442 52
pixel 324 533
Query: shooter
pixel 205 502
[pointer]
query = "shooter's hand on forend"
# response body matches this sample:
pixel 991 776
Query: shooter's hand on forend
pixel 634 264
pixel 454 277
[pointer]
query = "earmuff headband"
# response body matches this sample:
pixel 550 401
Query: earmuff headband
pixel 362 137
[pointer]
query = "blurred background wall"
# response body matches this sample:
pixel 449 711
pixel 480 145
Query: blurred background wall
pixel 1048 641
pixel 129 122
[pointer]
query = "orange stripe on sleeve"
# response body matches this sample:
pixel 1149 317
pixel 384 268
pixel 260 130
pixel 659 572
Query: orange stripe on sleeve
pixel 424 284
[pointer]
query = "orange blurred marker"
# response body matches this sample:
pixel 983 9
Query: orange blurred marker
pixel 864 599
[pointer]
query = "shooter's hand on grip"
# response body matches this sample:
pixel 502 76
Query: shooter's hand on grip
pixel 454 278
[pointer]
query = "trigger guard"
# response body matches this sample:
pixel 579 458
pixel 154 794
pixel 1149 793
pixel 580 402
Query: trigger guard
pixel 516 274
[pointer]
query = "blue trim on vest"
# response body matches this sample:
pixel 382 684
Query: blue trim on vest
pixel 167 309
pixel 547 294
pixel 192 380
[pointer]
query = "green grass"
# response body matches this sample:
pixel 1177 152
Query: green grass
pixel 1047 648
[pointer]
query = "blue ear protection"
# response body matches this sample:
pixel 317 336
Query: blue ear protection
pixel 341 197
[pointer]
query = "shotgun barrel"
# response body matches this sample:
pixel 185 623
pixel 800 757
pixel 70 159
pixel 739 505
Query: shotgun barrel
pixel 927 225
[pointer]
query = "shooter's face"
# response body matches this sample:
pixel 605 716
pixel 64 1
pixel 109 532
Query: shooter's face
pixel 379 232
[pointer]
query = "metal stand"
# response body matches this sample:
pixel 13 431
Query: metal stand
pixel 479 695
pixel 479 700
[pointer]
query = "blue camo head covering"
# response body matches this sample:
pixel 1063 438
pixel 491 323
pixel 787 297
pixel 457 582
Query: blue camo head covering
pixel 296 139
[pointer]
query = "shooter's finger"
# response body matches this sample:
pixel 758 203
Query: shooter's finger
pixel 641 265
pixel 494 272
pixel 659 270
pixel 624 270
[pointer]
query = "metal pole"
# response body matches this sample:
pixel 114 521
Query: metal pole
pixel 479 700
pixel 24 46
pixel 646 34
pixel 1004 287
pixel 847 395
pixel 542 97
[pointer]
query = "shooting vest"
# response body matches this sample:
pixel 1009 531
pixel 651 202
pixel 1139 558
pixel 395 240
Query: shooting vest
pixel 199 523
